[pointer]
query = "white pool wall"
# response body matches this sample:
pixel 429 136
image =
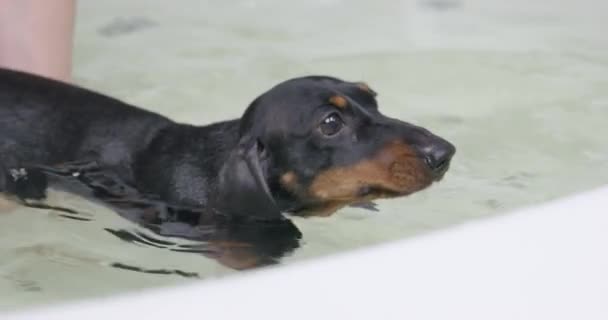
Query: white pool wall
pixel 543 262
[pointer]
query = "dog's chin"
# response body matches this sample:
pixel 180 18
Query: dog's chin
pixel 330 206
pixel 365 194
pixel 373 193
pixel 439 175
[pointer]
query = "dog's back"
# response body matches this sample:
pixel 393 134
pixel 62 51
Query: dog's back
pixel 44 121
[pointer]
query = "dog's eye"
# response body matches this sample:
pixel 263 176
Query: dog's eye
pixel 331 125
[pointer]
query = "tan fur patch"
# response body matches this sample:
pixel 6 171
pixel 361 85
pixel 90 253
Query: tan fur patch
pixel 289 180
pixel 235 255
pixel 7 204
pixel 394 171
pixel 324 209
pixel 338 101
pixel 363 86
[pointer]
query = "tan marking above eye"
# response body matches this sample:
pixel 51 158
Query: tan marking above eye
pixel 363 86
pixel 338 101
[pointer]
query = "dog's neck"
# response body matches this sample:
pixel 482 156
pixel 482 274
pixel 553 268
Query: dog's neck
pixel 185 144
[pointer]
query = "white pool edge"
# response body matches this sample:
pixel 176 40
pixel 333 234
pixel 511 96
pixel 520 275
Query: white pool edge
pixel 544 262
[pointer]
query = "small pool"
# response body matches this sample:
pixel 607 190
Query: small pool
pixel 521 88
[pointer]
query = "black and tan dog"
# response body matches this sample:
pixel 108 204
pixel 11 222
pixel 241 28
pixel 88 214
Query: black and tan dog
pixel 309 145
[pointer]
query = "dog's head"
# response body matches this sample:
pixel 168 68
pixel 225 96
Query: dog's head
pixel 312 145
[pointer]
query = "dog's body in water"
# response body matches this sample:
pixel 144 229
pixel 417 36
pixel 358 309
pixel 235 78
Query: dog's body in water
pixel 308 146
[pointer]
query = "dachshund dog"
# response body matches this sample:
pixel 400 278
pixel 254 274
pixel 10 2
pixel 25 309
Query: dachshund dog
pixel 308 146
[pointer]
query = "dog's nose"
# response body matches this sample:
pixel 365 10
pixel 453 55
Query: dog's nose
pixel 438 154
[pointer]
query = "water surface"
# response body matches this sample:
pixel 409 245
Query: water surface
pixel 521 88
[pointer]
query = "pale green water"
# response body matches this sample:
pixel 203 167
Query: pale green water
pixel 520 88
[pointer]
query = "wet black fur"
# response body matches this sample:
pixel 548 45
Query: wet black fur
pixel 233 166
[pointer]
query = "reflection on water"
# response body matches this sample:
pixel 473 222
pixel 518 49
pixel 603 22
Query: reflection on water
pixel 236 243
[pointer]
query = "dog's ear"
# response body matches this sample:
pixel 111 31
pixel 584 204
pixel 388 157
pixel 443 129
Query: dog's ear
pixel 243 191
